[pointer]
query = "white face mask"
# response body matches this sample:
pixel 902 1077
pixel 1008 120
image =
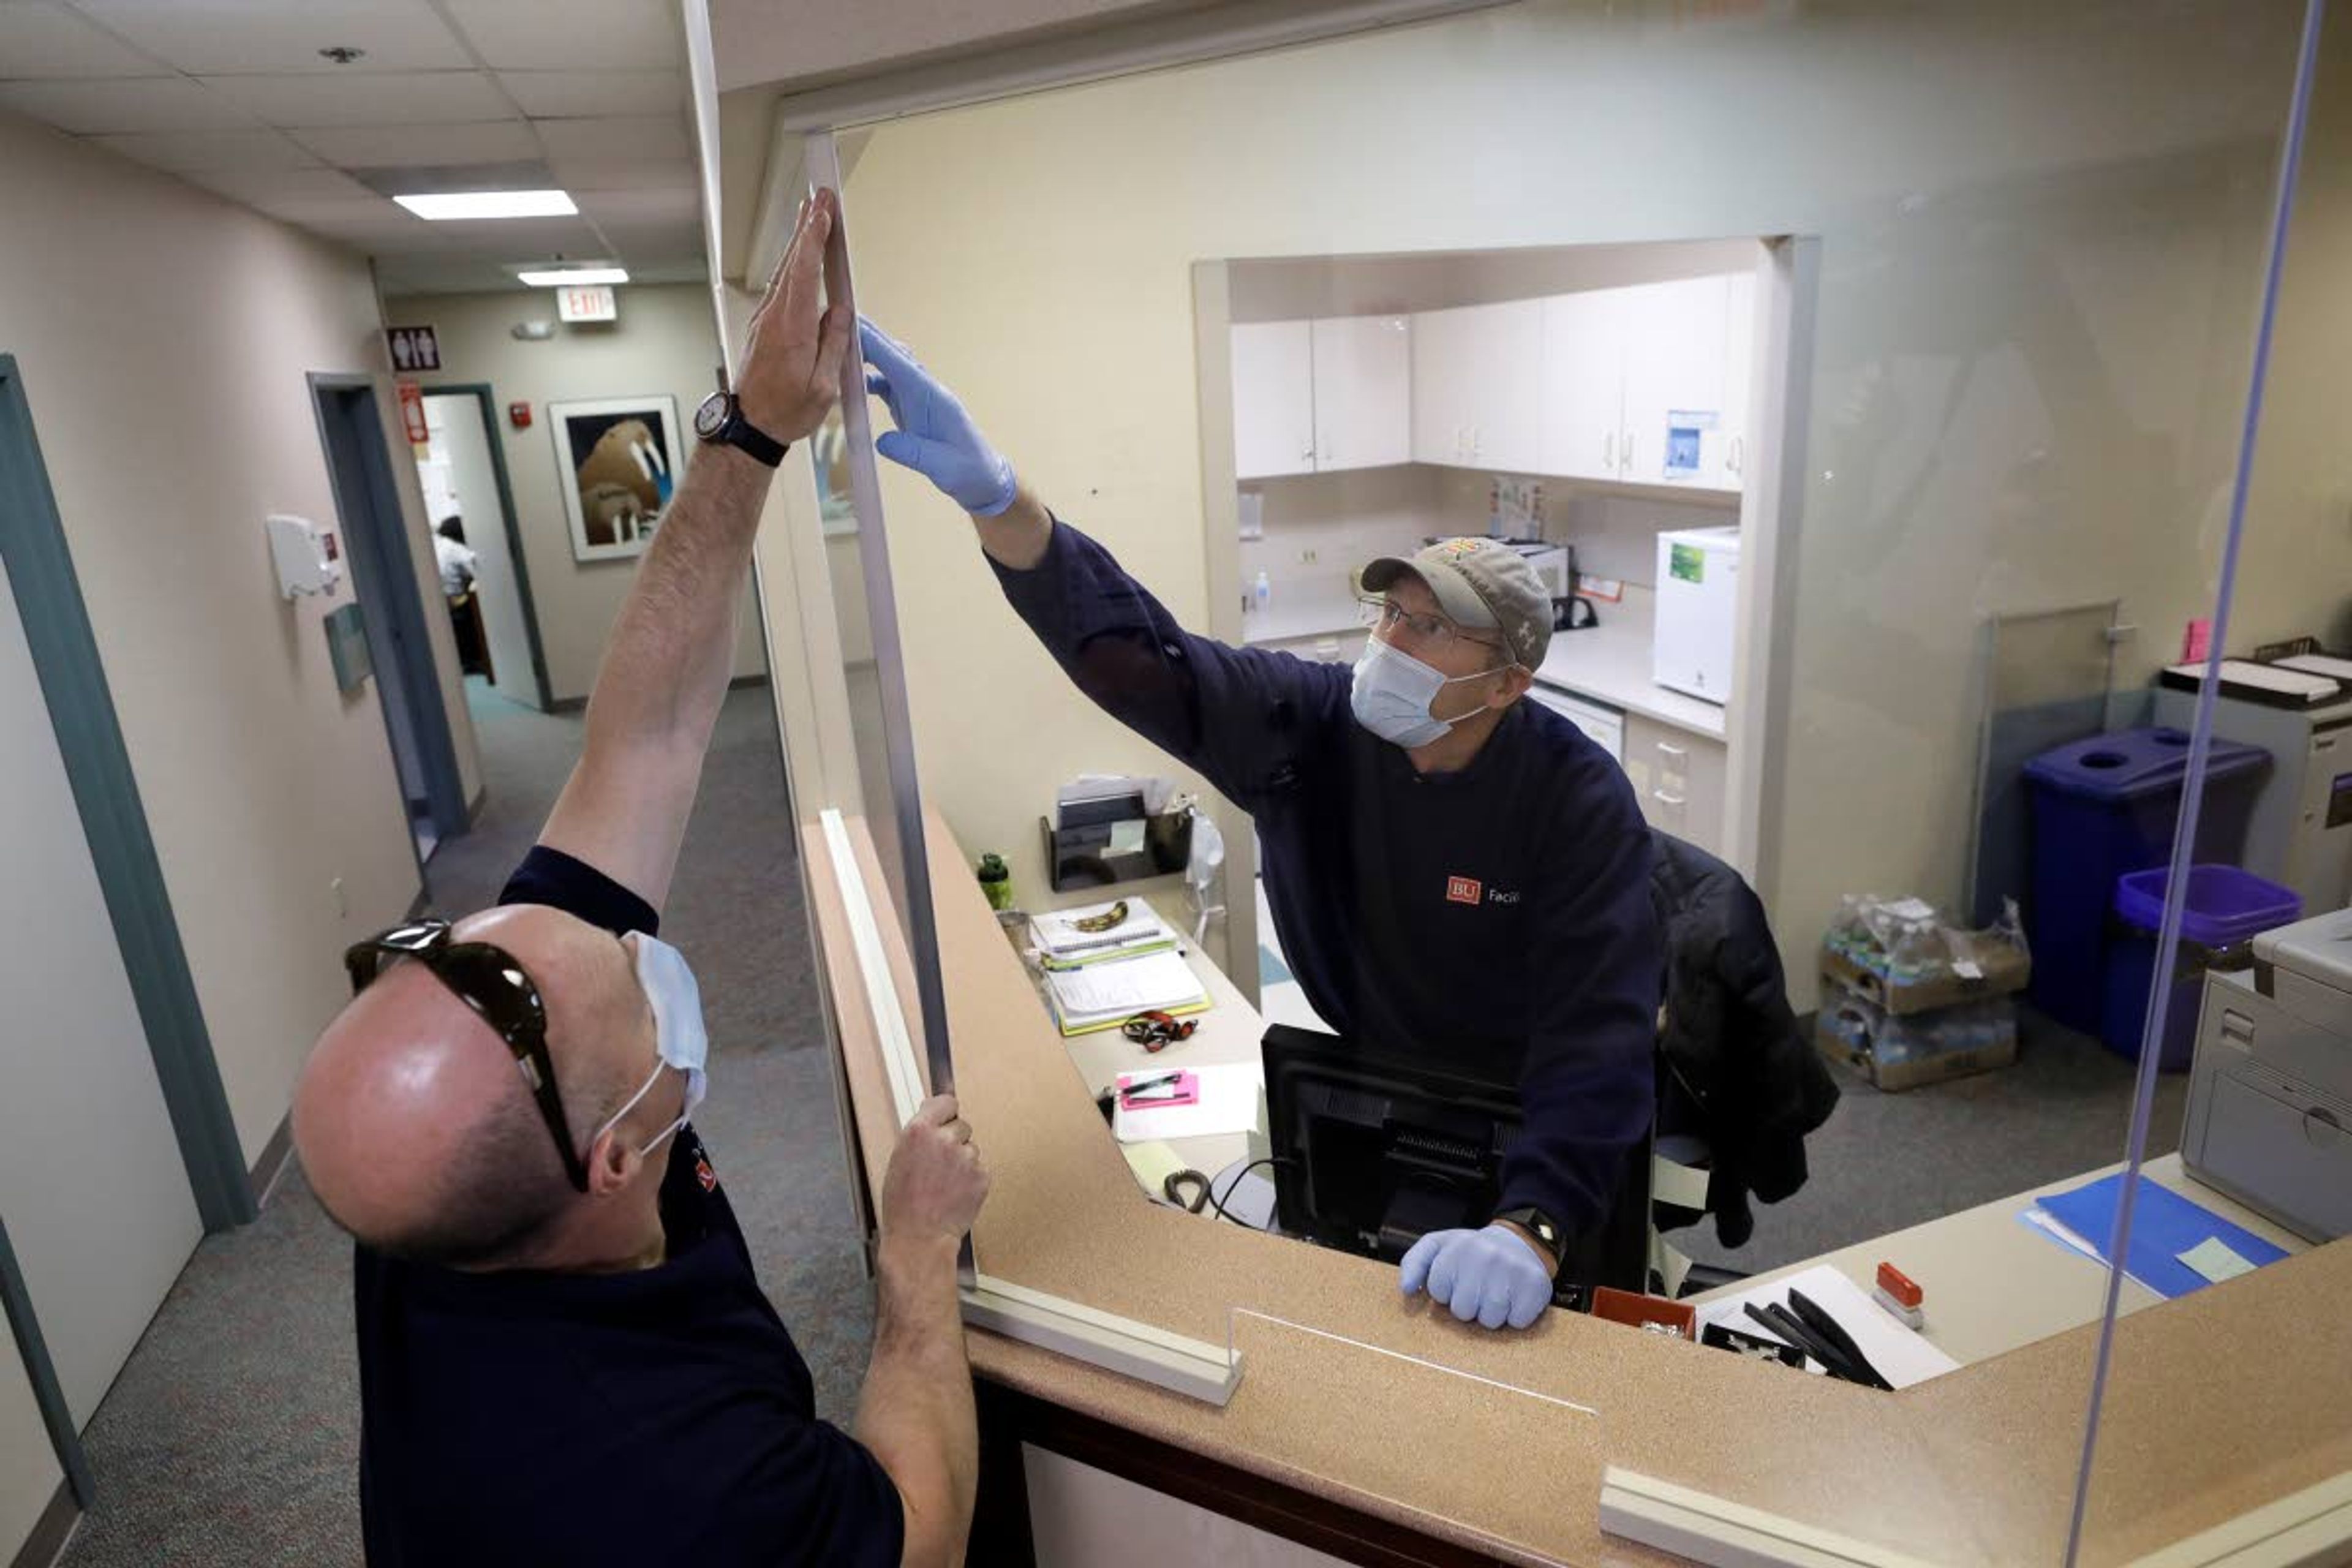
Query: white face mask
pixel 1393 692
pixel 679 1038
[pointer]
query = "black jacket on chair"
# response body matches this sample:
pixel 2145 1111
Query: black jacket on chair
pixel 1733 1067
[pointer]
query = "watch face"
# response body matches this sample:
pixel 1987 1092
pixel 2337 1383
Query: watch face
pixel 711 417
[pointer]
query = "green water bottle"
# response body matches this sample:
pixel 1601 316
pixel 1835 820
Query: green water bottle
pixel 996 881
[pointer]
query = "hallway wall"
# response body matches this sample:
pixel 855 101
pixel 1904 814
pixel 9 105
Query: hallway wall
pixel 662 343
pixel 164 337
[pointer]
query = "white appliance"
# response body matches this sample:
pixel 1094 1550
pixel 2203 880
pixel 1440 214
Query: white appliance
pixel 1550 562
pixel 1605 727
pixel 2269 1097
pixel 1698 600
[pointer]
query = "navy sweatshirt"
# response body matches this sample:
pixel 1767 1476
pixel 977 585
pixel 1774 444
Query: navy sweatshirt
pixel 1498 917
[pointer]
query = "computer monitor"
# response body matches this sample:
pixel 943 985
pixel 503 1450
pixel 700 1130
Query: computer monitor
pixel 1374 1148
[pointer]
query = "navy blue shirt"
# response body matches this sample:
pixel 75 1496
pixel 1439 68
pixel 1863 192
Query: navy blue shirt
pixel 655 1416
pixel 1498 916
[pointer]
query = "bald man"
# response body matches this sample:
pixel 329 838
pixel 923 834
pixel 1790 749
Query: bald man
pixel 565 1356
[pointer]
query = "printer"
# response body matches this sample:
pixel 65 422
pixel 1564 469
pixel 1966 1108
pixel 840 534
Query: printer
pixel 2270 1097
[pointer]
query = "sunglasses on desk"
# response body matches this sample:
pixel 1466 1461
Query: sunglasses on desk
pixel 486 978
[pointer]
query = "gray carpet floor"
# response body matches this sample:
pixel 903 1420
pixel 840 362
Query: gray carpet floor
pixel 232 1435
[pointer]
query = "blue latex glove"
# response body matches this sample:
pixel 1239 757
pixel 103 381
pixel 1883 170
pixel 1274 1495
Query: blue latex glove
pixel 1491 1274
pixel 935 437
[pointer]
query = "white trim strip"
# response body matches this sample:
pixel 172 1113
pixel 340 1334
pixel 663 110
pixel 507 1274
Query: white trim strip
pixel 2308 1529
pixel 1721 1534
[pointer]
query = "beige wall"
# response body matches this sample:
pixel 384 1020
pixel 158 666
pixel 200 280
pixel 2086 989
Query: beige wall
pixel 2294 573
pixel 2040 234
pixel 164 337
pixel 662 343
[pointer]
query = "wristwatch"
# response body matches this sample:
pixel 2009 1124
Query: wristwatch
pixel 1541 1225
pixel 720 418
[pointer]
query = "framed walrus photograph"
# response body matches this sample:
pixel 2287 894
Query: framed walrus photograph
pixel 618 457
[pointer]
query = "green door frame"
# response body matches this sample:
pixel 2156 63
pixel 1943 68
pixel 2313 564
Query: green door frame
pixel 480 392
pixel 16 1311
pixel 106 793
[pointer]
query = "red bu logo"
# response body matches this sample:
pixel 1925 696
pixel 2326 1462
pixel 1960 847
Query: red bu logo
pixel 1461 889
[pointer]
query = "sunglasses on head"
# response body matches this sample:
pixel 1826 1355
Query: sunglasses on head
pixel 486 978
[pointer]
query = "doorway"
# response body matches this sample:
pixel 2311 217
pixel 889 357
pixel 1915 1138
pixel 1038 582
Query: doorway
pixel 391 608
pixel 464 475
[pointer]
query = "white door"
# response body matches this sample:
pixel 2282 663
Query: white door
pixel 1506 416
pixel 1673 377
pixel 1728 461
pixel 1582 396
pixel 1274 399
pixel 1363 391
pixel 98 1201
pixel 1444 385
pixel 462 441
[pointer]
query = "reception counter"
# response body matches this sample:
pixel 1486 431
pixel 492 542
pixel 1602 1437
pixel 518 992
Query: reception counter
pixel 1379 1431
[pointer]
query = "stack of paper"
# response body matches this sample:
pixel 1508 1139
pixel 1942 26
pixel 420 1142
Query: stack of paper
pixel 1105 995
pixel 1062 944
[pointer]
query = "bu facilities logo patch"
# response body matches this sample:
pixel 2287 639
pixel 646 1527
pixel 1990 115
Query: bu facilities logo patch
pixel 1463 891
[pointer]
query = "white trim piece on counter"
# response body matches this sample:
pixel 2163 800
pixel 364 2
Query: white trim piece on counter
pixel 2309 1529
pixel 1709 1529
pixel 1137 1350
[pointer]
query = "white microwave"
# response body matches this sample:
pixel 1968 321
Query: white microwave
pixel 1698 600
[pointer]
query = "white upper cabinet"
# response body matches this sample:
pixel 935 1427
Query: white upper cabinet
pixel 1363 391
pixel 1739 372
pixel 1477 383
pixel 1583 396
pixel 1674 381
pixel 1274 399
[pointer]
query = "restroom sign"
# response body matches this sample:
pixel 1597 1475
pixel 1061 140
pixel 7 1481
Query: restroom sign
pixel 412 349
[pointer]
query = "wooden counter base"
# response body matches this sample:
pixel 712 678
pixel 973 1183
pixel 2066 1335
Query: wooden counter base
pixel 1496 1444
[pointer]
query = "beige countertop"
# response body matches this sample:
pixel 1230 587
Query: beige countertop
pixel 2224 1401
pixel 1610 662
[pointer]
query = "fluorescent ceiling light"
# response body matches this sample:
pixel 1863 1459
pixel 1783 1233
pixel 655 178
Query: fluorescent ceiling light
pixel 489 204
pixel 575 277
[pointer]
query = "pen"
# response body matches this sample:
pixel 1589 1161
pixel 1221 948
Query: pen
pixel 1154 1081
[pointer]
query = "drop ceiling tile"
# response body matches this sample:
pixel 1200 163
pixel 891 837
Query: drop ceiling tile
pixel 259 188
pixel 207 38
pixel 42 38
pixel 636 137
pixel 527 238
pixel 375 225
pixel 184 150
pixel 97 108
pixel 377 146
pixel 549 95
pixel 572 34
pixel 317 101
pixel 578 174
pixel 675 203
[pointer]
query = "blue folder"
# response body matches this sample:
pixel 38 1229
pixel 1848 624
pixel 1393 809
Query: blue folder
pixel 2164 1226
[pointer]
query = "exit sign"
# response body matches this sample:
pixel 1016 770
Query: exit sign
pixel 592 302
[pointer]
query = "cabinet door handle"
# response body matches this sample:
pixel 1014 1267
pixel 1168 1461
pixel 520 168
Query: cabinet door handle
pixel 1609 450
pixel 1670 751
pixel 1625 453
pixel 1663 798
pixel 1738 453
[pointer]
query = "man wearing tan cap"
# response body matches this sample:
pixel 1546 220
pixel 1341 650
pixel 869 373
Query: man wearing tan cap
pixel 1452 870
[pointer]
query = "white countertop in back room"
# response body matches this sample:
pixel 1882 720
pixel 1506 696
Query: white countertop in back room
pixel 1610 663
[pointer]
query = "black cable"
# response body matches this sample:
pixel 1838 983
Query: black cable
pixel 1219 1203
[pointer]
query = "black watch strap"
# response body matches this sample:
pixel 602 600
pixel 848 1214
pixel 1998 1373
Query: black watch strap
pixel 738 431
pixel 1544 1228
